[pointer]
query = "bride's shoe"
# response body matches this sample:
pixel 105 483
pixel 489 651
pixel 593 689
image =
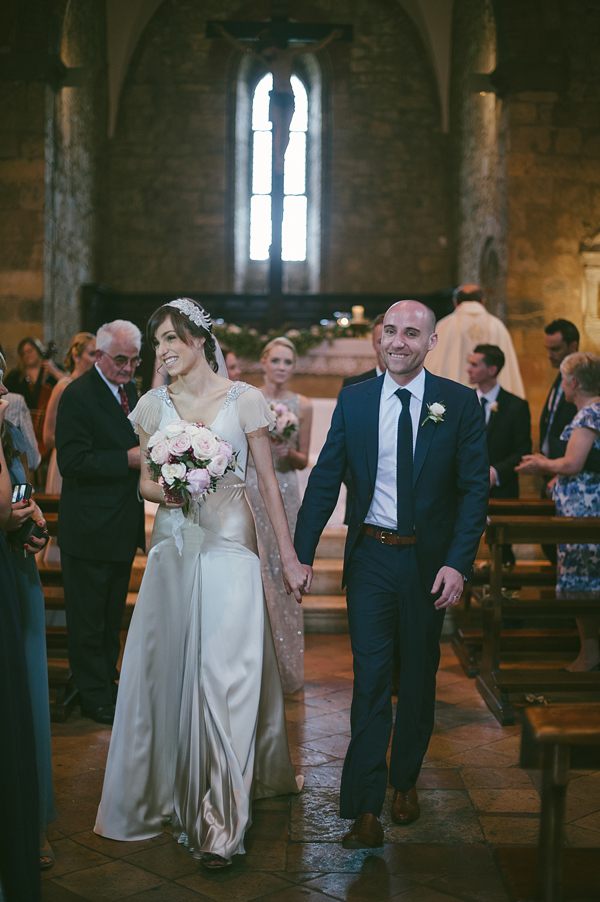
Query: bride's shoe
pixel 46 857
pixel 215 862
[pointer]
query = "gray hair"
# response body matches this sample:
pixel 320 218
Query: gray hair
pixel 119 328
pixel 585 367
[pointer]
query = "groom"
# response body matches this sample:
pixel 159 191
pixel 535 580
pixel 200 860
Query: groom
pixel 415 446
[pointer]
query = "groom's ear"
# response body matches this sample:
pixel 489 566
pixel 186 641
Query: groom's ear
pixel 432 341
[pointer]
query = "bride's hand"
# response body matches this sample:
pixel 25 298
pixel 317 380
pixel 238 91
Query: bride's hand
pixel 297 578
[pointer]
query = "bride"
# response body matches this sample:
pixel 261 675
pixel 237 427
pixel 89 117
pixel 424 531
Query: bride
pixel 199 730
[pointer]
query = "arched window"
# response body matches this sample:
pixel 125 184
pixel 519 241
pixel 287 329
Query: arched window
pixel 295 201
pixel 304 177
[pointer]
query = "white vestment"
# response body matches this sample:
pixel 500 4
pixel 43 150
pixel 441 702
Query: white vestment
pixel 460 332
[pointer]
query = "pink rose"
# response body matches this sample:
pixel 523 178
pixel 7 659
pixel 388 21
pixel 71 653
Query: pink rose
pixel 180 444
pixel 218 465
pixel 226 449
pixel 204 444
pixel 198 481
pixel 160 452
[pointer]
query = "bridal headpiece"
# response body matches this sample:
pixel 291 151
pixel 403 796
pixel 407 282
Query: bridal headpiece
pixel 197 315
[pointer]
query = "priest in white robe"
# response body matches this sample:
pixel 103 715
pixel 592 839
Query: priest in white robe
pixel 470 325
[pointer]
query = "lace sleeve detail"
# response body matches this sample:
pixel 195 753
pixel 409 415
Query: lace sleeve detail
pixel 254 412
pixel 147 413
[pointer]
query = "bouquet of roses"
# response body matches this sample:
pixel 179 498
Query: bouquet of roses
pixel 286 423
pixel 188 459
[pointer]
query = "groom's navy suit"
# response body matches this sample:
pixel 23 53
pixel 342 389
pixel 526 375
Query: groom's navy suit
pixel 389 587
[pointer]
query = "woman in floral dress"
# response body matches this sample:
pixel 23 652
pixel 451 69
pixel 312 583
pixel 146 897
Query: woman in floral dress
pixel 576 492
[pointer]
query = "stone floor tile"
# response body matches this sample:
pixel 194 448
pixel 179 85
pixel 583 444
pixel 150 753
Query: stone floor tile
pixel 577 836
pixel 336 746
pixel 441 747
pixel 71 856
pixel 170 860
pixel 327 857
pixel 485 756
pixel 495 778
pixel 115 849
pixel 446 815
pixel 373 884
pixel 302 757
pixel 332 701
pixel 339 722
pixel 170 892
pixel 586 786
pixel 501 829
pixel 440 778
pixel 315 816
pixel 52 892
pixel 323 775
pixel 589 822
pixel 474 735
pixel 271 824
pixel 109 882
pixel 505 801
pixel 234 884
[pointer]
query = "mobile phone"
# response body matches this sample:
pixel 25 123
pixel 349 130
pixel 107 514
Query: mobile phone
pixel 22 492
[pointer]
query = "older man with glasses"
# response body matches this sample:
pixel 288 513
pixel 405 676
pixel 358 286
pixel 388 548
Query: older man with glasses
pixel 101 515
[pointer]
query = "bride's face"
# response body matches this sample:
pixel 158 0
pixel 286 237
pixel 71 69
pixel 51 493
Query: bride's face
pixel 176 356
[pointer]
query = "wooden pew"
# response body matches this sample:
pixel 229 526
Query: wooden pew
pixel 494 683
pixel 467 638
pixel 555 738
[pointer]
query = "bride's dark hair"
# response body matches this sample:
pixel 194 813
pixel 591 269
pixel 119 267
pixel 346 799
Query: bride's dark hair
pixel 184 328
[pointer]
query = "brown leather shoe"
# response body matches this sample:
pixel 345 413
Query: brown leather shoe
pixel 366 833
pixel 405 807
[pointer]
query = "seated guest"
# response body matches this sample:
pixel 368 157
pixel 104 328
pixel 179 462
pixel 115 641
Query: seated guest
pixel 576 492
pixel 507 424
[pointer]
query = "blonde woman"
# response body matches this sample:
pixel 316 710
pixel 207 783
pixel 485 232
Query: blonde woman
pixel 278 361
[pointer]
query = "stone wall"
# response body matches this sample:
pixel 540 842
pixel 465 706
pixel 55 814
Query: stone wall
pixel 387 220
pixel 22 110
pixel 75 150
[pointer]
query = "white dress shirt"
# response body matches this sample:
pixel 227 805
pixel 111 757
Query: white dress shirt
pixel 114 388
pixel 490 397
pixel 383 510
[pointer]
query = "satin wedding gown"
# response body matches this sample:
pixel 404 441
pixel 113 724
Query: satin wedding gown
pixel 199 729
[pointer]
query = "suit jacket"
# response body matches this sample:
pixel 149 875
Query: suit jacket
pixel 564 414
pixel 101 514
pixel 508 439
pixel 450 475
pixel 361 377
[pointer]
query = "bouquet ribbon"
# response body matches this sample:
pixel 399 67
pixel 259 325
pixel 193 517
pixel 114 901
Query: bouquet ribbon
pixel 177 521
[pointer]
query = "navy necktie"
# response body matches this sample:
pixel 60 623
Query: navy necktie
pixel 484 402
pixel 404 466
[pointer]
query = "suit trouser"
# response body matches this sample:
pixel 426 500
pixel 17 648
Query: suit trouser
pixel 95 596
pixel 385 596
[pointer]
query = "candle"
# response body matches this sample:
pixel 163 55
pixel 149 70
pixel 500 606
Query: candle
pixel 358 314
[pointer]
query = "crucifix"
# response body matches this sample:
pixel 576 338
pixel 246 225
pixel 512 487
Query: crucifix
pixel 269 42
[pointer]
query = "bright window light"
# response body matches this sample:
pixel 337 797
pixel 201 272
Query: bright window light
pixel 294 178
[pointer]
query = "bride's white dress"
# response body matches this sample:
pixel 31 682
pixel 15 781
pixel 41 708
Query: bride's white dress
pixel 199 730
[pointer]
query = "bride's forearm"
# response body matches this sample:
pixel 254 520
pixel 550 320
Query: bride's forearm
pixel 271 497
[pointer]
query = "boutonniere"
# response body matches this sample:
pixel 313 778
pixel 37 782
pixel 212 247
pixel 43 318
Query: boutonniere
pixel 493 407
pixel 436 413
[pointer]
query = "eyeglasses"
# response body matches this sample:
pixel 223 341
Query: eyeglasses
pixel 121 360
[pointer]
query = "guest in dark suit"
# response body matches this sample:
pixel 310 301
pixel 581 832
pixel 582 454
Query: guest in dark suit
pixel 379 367
pixel 415 445
pixel 101 515
pixel 561 338
pixel 507 424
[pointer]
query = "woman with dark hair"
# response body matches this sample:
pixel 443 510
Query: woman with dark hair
pixel 34 378
pixel 199 730
pixel 31 606
pixel 576 492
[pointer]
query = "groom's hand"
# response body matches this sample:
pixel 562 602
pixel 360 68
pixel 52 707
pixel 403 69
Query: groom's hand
pixel 451 582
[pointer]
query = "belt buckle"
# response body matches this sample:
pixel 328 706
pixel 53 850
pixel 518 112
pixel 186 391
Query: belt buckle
pixel 384 534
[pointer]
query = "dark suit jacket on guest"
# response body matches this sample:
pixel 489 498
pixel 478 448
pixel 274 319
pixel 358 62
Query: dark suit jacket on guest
pixel 564 414
pixel 361 377
pixel 450 475
pixel 101 515
pixel 508 439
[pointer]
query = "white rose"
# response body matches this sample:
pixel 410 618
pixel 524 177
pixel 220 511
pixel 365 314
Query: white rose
pixel 159 436
pixel 192 429
pixel 218 465
pixel 159 453
pixel 173 429
pixel 437 410
pixel 204 444
pixel 171 472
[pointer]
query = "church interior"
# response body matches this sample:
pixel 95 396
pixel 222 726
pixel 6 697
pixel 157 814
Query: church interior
pixel 444 142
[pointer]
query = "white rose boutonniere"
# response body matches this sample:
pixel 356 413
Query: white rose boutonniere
pixel 436 413
pixel 493 407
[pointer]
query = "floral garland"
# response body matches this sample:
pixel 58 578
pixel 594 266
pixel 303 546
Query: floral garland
pixel 248 343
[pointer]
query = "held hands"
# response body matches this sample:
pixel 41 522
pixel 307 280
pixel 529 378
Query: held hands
pixel 451 581
pixel 22 511
pixel 532 463
pixel 297 578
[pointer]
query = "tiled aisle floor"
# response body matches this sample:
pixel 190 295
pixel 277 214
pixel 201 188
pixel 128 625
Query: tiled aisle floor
pixel 473 795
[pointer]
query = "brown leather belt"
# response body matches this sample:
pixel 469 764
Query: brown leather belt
pixel 387 536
